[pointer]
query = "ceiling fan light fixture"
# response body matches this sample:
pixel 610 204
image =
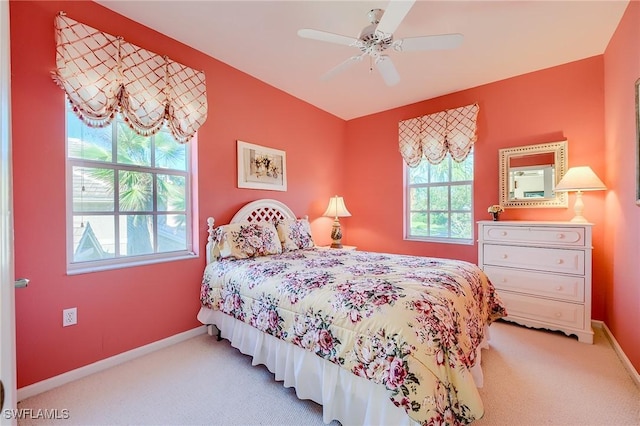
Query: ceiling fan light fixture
pixel 372 42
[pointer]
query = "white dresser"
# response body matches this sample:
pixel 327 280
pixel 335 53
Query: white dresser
pixel 542 272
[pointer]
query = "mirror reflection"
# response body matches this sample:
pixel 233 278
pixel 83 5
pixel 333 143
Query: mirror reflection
pixel 532 176
pixel 528 175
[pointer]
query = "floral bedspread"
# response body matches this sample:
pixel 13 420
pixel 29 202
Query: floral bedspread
pixel 409 323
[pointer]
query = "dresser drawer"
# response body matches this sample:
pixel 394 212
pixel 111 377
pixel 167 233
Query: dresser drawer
pixel 548 311
pixel 536 258
pixel 562 287
pixel 566 236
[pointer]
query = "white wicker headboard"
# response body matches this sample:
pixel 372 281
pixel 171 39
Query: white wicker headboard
pixel 264 210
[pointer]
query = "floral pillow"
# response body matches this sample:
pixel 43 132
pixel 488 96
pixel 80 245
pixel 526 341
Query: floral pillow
pixel 295 234
pixel 243 240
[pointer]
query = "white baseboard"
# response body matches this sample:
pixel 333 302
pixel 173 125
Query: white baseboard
pixel 78 373
pixel 616 347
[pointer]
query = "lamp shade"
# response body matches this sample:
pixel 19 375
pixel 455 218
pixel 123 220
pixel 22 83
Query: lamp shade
pixel 580 178
pixel 336 208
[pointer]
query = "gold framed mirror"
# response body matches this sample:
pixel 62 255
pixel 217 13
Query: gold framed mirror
pixel 529 174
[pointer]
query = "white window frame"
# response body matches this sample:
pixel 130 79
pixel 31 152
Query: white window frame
pixel 407 206
pixel 124 261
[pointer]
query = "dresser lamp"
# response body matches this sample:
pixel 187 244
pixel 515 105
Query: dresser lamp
pixel 579 179
pixel 335 210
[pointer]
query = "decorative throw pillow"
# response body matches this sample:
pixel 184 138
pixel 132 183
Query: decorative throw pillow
pixel 243 240
pixel 295 234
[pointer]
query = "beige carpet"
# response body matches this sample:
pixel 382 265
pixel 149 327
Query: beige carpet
pixel 532 377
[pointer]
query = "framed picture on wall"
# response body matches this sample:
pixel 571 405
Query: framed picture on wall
pixel 638 142
pixel 260 167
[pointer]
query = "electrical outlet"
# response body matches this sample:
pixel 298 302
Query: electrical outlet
pixel 69 316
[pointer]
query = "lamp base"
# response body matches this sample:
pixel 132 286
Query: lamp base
pixel 578 208
pixel 579 219
pixel 336 234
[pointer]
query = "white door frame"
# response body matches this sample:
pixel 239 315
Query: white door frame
pixel 7 278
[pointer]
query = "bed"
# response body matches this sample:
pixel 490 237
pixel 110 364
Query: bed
pixel 374 338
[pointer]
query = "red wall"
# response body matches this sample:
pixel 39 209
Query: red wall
pixel 123 309
pixel 564 102
pixel 622 69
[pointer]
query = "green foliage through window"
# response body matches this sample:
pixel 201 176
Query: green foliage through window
pixel 440 200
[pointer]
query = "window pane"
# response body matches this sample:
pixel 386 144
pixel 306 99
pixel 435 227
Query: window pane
pixel 418 225
pixel 133 148
pixel 419 198
pixel 171 193
pixel 136 191
pixel 441 205
pixel 169 153
pixel 93 237
pixel 128 194
pixel 172 232
pixel 461 226
pixel 136 234
pixel 439 198
pixel 439 172
pixel 461 197
pixel 86 142
pixel 419 173
pixel 93 189
pixel 462 171
pixel 439 225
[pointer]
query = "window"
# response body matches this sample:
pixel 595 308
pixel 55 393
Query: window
pixel 128 196
pixel 439 201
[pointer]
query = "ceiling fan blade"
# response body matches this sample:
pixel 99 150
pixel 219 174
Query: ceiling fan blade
pixel 341 67
pixel 393 16
pixel 387 70
pixel 325 36
pixel 433 42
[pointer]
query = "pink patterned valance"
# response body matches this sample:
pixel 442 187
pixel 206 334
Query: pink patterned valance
pixel 103 74
pixel 432 136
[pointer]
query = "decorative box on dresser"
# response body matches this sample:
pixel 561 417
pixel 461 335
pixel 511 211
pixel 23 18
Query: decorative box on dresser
pixel 542 272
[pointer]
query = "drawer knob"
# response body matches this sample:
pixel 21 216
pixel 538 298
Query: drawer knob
pixel 560 236
pixel 559 261
pixel 503 233
pixel 504 256
pixel 558 314
pixel 559 288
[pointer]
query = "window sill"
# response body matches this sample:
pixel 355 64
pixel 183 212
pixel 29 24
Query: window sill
pixel 440 240
pixel 77 270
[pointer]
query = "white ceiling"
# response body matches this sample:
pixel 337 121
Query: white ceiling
pixel 502 39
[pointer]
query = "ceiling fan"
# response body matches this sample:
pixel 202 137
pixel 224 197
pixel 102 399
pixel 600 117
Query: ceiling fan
pixel 377 37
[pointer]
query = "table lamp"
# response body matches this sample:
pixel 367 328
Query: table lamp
pixel 336 209
pixel 579 179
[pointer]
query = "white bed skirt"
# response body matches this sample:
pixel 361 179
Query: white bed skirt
pixel 345 397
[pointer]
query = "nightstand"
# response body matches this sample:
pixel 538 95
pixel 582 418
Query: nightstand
pixel 343 248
